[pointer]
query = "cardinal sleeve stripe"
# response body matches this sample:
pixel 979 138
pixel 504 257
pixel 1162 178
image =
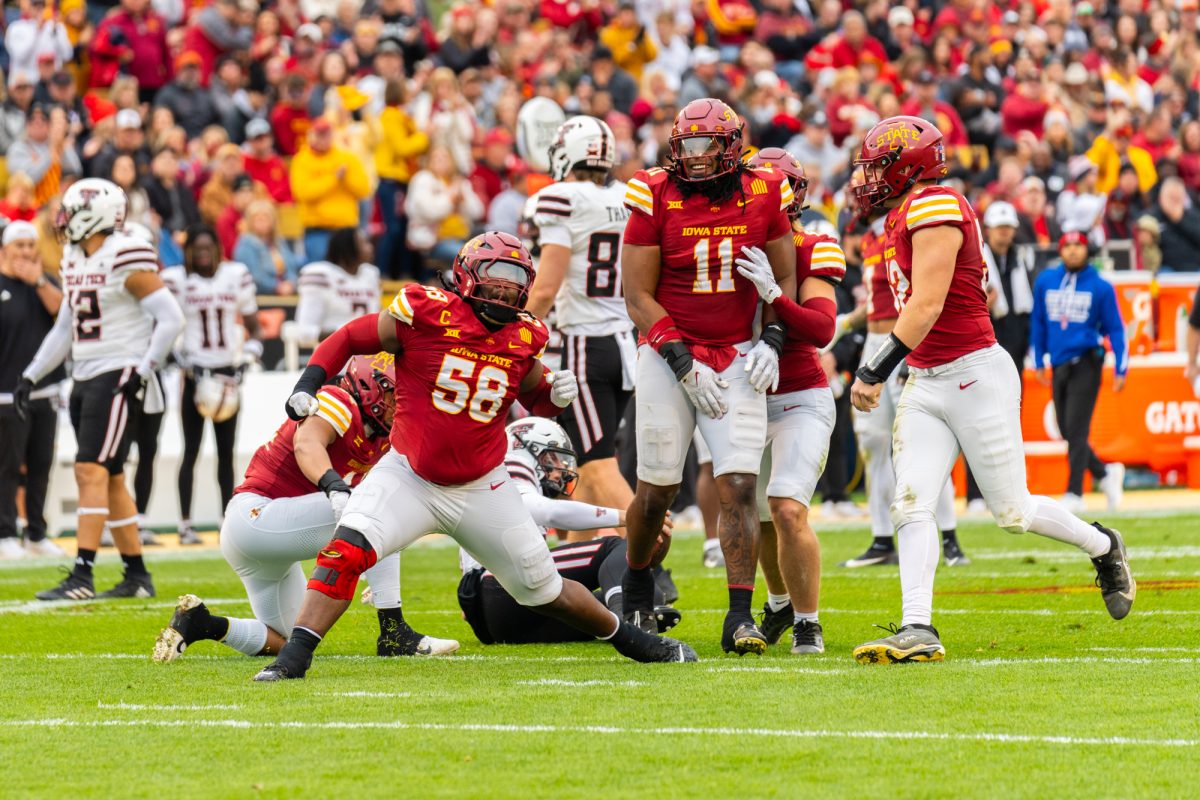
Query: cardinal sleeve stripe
pixel 950 210
pixel 946 203
pixel 333 412
pixel 934 218
pixel 929 199
pixel 638 186
pixel 400 309
pixel 632 200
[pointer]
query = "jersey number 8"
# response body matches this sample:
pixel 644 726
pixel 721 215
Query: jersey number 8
pixel 602 254
pixel 453 392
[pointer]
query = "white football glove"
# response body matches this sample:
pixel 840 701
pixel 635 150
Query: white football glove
pixel 302 405
pixel 564 388
pixel 338 501
pixel 762 363
pixel 703 387
pixel 755 268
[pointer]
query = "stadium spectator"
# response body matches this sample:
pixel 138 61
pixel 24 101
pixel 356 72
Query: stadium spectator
pixel 926 105
pixel 1188 162
pixel 37 32
pixel 1123 84
pixel 124 174
pixel 332 73
pixel 847 109
pixel 217 29
pixel 15 108
pixel 504 212
pixel 1156 137
pixel 18 204
pixel 1025 108
pixel 705 78
pixel 446 117
pixel 463 47
pixel 132 40
pixel 855 47
pixel 1014 268
pixel 45 152
pixel 289 119
pixel 1081 207
pixel 218 189
pixel 189 101
pixel 172 201
pixel 400 144
pixel 490 175
pixel 1148 236
pixel 626 39
pixel 1038 224
pixel 1180 224
pixel 977 96
pixel 30 305
pixel 328 183
pixel 229 222
pixel 815 146
pixel 128 139
pixel 263 164
pixel 413 31
pixel 1113 149
pixel 272 263
pixel 441 207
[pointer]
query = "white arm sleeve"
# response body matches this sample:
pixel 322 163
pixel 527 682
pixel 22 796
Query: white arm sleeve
pixel 168 324
pixel 54 348
pixel 569 515
pixel 310 310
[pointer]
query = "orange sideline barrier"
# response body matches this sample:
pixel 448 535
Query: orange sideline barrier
pixel 1149 328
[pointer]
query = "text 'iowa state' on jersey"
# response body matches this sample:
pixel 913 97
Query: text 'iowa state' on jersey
pixel 455 381
pixel 710 303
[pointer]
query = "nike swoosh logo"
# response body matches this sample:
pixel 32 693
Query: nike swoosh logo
pixel 789 408
pixel 742 203
pixel 496 485
pixel 967 384
pixel 513 345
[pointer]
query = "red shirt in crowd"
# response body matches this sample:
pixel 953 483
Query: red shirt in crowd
pixel 16 213
pixel 947 120
pixel 869 52
pixel 1019 113
pixel 1157 150
pixel 144 38
pixel 290 124
pixel 272 173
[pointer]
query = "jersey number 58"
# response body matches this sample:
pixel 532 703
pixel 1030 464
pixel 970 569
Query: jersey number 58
pixel 454 392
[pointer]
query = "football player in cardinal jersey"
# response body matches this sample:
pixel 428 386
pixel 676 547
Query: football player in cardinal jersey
pixel 542 466
pixel 800 417
pixel 286 511
pixel 874 430
pixel 213 294
pixel 699 366
pixel 117 323
pixel 963 390
pixel 579 221
pixel 462 358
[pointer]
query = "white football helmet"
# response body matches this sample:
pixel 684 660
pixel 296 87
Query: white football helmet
pixel 217 396
pixel 91 206
pixel 551 449
pixel 537 122
pixel 582 141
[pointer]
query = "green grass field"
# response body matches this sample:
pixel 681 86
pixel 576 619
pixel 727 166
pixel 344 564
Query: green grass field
pixel 1041 695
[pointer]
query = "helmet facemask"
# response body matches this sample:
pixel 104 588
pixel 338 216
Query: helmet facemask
pixel 557 470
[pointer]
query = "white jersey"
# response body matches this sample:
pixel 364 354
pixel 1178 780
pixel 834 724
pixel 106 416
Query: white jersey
pixel 111 330
pixel 330 297
pixel 212 336
pixel 590 220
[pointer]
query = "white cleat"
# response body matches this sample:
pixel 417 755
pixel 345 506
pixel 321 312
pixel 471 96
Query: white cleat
pixel 11 549
pixel 43 548
pixel 1113 485
pixel 431 646
pixel 1072 503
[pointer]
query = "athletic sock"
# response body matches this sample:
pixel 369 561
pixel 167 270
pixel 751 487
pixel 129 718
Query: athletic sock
pixel 740 598
pixel 247 636
pixel 883 543
pixel 778 602
pixel 303 641
pixel 134 565
pixel 803 616
pixel 384 580
pixel 84 561
pixel 215 628
pixel 1053 521
pixel 712 544
pixel 920 552
pixel 949 536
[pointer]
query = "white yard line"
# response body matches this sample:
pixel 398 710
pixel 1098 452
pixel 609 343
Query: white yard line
pixel 151 707
pixel 368 694
pixel 577 684
pixel 909 735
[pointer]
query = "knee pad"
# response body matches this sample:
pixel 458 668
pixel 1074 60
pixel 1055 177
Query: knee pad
pixel 1016 519
pixel 340 563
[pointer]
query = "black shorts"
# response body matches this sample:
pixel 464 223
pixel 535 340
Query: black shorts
pixel 104 422
pixel 592 420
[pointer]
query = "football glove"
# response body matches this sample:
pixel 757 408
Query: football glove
pixel 338 501
pixel 564 388
pixel 131 387
pixel 301 405
pixel 762 364
pixel 22 402
pixel 336 490
pixel 703 387
pixel 755 268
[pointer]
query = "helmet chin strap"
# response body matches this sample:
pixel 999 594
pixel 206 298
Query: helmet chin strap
pixel 490 313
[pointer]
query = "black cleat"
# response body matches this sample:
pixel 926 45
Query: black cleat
pixel 808 638
pixel 138 585
pixel 637 601
pixel 188 536
pixel 877 555
pixel 73 587
pixel 666 584
pixel 666 617
pixel 774 624
pixel 742 636
pixel 1117 586
pixel 953 555
pixel 647 649
pixel 190 620
pixel 399 639
pixel 291 664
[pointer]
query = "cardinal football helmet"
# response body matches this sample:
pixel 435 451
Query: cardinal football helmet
pixel 785 162
pixel 493 272
pixel 896 153
pixel 371 381
pixel 707 134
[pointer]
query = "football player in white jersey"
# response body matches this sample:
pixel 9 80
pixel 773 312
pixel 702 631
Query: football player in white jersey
pixel 541 462
pixel 579 221
pixel 214 294
pixel 117 322
pixel 335 291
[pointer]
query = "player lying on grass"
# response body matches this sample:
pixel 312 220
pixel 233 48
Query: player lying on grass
pixel 462 358
pixel 541 463
pixel 286 511
pixel 963 391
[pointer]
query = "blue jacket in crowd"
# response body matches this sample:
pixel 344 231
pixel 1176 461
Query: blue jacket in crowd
pixel 1072 314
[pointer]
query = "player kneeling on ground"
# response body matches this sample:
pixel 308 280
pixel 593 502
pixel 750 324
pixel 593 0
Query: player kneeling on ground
pixel 541 464
pixel 963 390
pixel 463 357
pixel 800 418
pixel 276 520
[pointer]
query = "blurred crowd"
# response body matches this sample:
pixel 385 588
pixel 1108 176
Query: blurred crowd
pixel 279 122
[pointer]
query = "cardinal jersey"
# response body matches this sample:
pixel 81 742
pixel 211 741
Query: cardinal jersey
pixel 964 325
pixel 588 220
pixel 817 256
pixel 880 303
pixel 211 333
pixel 710 303
pixel 330 297
pixel 455 381
pixel 273 471
pixel 111 329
